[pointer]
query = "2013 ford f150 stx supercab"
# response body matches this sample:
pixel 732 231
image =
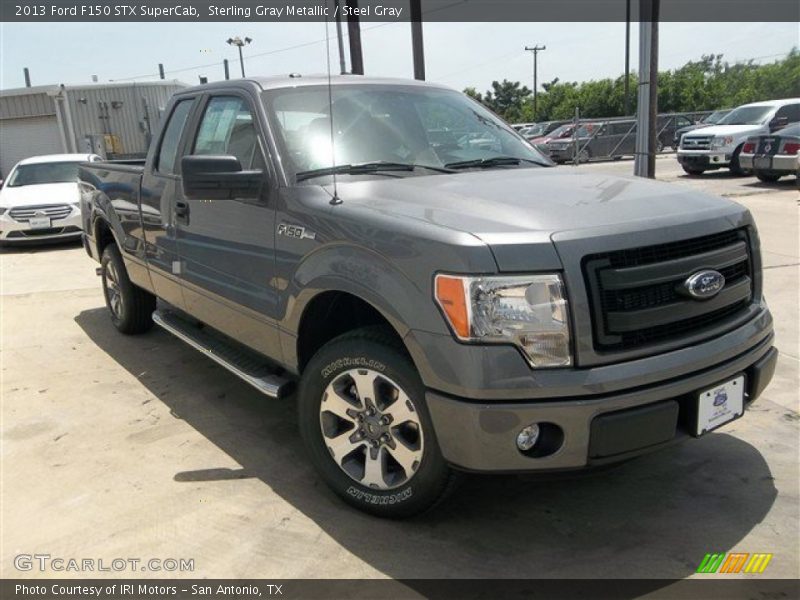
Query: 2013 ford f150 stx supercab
pixel 445 300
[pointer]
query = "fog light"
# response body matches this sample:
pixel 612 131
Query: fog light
pixel 527 438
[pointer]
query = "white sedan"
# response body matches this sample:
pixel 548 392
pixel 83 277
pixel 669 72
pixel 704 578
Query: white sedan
pixel 39 200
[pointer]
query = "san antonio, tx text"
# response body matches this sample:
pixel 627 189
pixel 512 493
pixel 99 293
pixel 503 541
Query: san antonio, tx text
pixel 143 589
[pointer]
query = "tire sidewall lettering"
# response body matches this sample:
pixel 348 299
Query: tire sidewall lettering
pixel 370 498
pixel 348 362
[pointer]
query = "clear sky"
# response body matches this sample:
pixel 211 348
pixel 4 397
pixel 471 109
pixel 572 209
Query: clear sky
pixel 457 54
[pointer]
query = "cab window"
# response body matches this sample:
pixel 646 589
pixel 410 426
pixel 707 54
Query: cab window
pixel 172 136
pixel 228 128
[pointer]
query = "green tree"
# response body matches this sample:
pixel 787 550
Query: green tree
pixel 706 84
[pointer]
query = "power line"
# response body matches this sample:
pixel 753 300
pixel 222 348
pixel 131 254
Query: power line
pixel 284 49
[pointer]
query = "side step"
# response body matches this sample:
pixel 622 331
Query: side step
pixel 240 361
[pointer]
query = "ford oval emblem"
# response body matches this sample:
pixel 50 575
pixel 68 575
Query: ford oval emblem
pixel 704 284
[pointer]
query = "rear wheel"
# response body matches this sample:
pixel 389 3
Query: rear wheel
pixel 768 177
pixel 365 424
pixel 584 155
pixel 130 307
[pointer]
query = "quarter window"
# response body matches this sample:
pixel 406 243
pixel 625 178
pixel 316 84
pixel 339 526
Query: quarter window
pixel 172 137
pixel 790 111
pixel 227 128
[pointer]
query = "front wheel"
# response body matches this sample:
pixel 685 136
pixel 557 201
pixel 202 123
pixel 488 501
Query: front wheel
pixel 130 307
pixel 365 424
pixel 693 170
pixel 736 166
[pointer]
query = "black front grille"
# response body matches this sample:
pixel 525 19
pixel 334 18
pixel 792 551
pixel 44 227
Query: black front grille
pixel 637 295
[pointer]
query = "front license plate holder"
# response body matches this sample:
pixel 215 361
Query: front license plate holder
pixel 39 222
pixel 720 404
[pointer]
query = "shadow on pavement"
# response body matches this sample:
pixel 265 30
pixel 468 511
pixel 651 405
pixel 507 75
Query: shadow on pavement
pixel 38 246
pixel 655 517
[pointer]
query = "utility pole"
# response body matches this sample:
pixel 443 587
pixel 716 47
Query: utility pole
pixel 27 75
pixel 417 45
pixel 160 71
pixel 239 43
pixel 227 68
pixel 535 49
pixel 354 33
pixel 339 38
pixel 645 163
pixel 627 98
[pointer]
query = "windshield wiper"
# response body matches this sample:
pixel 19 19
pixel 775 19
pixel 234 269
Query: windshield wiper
pixel 494 161
pixel 367 167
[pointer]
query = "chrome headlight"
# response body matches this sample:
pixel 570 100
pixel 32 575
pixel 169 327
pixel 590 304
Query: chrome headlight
pixel 529 311
pixel 721 142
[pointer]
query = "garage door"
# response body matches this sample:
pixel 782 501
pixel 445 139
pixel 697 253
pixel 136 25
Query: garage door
pixel 23 138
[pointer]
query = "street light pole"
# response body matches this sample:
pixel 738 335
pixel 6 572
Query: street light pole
pixel 535 49
pixel 627 100
pixel 239 43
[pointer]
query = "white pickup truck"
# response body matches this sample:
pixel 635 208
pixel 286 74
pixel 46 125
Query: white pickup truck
pixel 719 146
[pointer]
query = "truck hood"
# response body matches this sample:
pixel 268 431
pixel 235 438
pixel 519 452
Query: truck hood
pixel 45 193
pixel 732 130
pixel 506 207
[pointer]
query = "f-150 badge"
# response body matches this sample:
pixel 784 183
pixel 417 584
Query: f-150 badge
pixel 295 231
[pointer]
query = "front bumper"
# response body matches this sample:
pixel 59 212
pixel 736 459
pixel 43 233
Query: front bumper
pixel 12 231
pixel 481 436
pixel 561 153
pixel 704 159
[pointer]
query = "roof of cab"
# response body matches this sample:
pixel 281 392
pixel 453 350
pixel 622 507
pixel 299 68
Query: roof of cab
pixel 295 80
pixel 780 102
pixel 47 158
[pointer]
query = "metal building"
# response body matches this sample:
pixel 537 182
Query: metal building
pixel 114 120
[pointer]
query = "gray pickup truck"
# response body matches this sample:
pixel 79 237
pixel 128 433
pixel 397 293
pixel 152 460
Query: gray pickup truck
pixel 443 299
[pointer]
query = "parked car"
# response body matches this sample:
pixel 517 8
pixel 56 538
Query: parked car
pixel 442 308
pixel 40 200
pixel 541 142
pixel 771 157
pixel 666 128
pixel 609 139
pixel 541 129
pixel 715 118
pixel 720 145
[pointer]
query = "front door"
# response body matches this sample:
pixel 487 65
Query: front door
pixel 227 247
pixel 161 186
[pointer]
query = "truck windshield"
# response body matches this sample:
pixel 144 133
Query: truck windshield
pixel 39 173
pixel 392 124
pixel 715 117
pixel 747 115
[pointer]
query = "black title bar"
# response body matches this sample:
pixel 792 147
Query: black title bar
pixel 396 10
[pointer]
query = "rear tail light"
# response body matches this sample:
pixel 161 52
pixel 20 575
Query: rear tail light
pixel 749 148
pixel 790 148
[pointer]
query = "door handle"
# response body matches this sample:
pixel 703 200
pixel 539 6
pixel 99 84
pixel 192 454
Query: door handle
pixel 181 209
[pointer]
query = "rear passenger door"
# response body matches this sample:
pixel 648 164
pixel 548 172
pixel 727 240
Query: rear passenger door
pixel 227 247
pixel 161 187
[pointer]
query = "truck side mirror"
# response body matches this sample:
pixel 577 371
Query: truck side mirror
pixel 778 122
pixel 218 177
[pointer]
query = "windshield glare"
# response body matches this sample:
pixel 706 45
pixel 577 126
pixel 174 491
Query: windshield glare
pixel 747 115
pixel 40 173
pixel 397 124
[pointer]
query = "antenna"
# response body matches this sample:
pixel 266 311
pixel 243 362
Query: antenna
pixel 335 200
